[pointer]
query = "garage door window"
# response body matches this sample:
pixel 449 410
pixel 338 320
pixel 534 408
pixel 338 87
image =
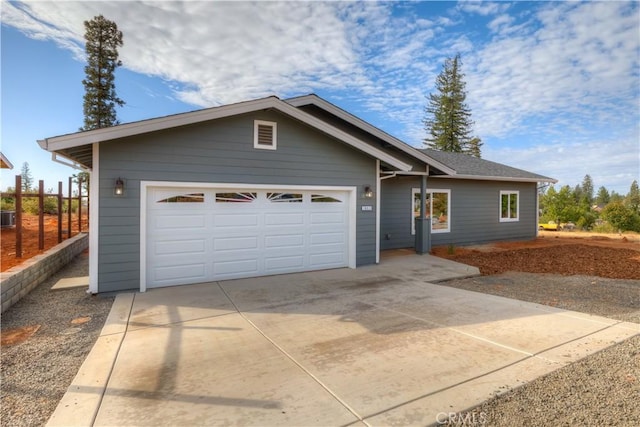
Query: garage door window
pixel 320 198
pixel 184 198
pixel 284 197
pixel 235 197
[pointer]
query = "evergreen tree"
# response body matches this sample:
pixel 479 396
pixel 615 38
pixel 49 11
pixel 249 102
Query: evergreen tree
pixel 448 118
pixel 100 99
pixel 633 198
pixel 27 179
pixel 587 189
pixel 603 197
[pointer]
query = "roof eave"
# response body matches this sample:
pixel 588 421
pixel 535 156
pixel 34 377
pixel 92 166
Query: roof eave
pixel 500 178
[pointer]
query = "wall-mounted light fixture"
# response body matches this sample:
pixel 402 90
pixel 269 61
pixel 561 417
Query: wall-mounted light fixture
pixel 118 190
pixel 368 192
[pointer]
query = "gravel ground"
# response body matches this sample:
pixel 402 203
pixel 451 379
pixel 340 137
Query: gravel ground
pixel 37 372
pixel 602 389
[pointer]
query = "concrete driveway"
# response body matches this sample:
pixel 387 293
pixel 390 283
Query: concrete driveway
pixel 378 345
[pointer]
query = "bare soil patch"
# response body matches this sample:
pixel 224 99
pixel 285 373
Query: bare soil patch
pixel 30 237
pixel 590 255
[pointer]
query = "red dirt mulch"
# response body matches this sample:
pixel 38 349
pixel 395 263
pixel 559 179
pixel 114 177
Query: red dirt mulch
pixel 589 256
pixel 30 237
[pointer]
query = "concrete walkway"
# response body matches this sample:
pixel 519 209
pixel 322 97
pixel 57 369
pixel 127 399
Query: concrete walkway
pixel 374 346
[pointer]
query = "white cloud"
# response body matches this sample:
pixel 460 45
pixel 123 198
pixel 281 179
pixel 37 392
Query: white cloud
pixel 218 52
pixel 562 74
pixel 614 163
pixel 581 59
pixel 482 8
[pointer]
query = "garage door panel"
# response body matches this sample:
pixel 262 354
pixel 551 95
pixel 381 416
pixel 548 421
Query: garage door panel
pixel 232 220
pixel 321 218
pixel 180 222
pixel 243 232
pixel 327 238
pixel 324 260
pixel 180 274
pixel 279 218
pixel 235 243
pixel 196 246
pixel 279 264
pixel 284 241
pixel 235 268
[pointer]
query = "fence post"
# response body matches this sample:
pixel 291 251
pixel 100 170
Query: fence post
pixel 79 204
pixel 18 216
pixel 59 211
pixel 41 214
pixel 69 211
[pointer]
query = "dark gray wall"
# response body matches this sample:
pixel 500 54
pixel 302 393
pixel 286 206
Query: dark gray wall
pixel 474 212
pixel 220 151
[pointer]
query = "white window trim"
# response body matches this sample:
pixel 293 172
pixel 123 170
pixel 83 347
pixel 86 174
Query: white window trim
pixel 509 192
pixel 274 140
pixel 415 191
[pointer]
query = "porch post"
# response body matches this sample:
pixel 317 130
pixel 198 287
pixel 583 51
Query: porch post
pixel 423 222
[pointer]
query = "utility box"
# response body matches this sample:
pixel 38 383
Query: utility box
pixel 8 218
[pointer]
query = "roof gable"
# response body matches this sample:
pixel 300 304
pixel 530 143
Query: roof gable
pixel 77 146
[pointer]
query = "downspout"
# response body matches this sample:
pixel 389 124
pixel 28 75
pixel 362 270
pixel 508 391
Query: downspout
pixel 94 206
pixel 378 191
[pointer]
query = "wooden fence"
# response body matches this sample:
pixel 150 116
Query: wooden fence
pixel 18 196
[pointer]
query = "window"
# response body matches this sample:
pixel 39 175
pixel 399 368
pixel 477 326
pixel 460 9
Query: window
pixel 284 197
pixel 509 206
pixel 321 198
pixel 184 198
pixel 264 135
pixel 235 197
pixel 437 208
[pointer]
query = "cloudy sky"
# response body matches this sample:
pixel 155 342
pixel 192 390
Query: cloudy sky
pixel 554 87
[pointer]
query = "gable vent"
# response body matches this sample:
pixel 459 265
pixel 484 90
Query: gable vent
pixel 264 135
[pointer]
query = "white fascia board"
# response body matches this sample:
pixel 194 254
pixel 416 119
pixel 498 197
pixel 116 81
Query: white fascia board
pixel 152 125
pixel 350 118
pixel 496 178
pixel 6 161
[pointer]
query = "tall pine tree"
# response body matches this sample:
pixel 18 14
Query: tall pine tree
pixel 448 118
pixel 27 178
pixel 102 41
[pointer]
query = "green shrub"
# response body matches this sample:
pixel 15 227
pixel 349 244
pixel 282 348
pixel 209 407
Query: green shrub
pixel 604 227
pixel 621 217
pixel 8 204
pixel 30 205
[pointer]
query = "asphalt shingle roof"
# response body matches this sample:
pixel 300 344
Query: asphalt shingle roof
pixel 467 165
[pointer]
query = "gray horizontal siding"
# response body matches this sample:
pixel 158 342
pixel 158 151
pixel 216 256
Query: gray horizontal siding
pixel 474 212
pixel 219 152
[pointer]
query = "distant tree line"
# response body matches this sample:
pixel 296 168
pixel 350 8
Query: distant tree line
pixel 604 210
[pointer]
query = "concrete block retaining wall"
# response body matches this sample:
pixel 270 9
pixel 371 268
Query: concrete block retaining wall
pixel 21 279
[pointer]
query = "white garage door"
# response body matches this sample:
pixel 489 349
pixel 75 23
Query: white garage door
pixel 203 234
